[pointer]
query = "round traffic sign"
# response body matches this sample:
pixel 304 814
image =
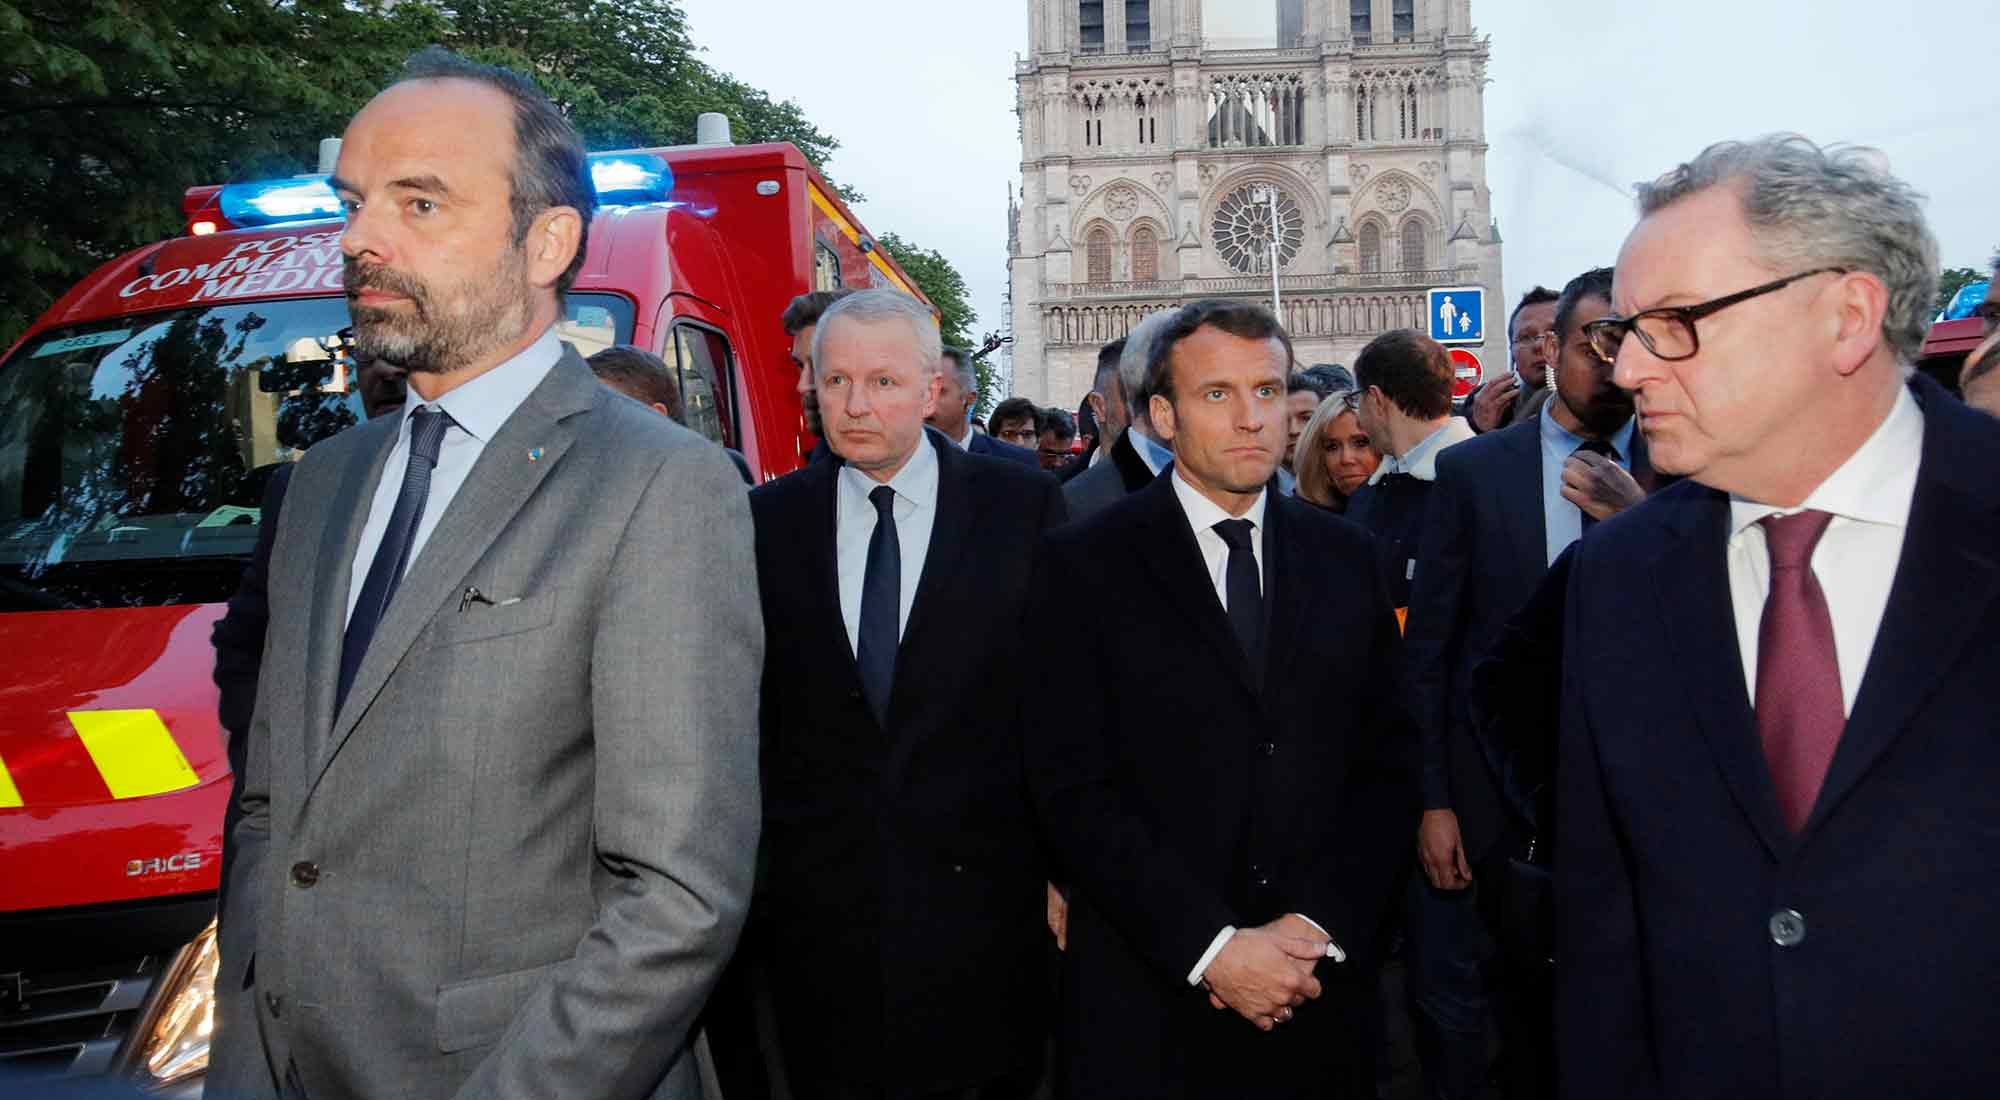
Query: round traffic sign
pixel 1464 372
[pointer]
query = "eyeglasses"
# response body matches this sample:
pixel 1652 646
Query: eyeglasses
pixel 1025 437
pixel 1670 333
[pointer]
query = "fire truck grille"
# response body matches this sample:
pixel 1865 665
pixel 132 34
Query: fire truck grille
pixel 62 1022
pixel 74 982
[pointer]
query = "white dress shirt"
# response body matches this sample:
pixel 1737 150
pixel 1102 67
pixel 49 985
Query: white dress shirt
pixel 1869 498
pixel 1202 516
pixel 477 409
pixel 915 511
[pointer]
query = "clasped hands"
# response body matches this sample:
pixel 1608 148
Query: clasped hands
pixel 1266 972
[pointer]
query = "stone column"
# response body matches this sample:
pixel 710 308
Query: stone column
pixel 1186 20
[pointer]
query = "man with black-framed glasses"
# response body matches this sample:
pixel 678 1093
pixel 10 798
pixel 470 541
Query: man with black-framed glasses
pixel 1504 506
pixel 1773 846
pixel 1520 393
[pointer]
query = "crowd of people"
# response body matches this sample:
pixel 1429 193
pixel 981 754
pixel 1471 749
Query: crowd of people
pixel 1636 703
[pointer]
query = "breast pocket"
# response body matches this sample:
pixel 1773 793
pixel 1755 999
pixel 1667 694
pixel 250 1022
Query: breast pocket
pixel 483 617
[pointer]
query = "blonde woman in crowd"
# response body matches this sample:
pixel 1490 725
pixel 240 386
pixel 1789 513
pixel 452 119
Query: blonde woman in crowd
pixel 1334 456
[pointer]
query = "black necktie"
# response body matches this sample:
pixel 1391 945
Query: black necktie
pixel 881 605
pixel 1246 592
pixel 392 557
pixel 1596 447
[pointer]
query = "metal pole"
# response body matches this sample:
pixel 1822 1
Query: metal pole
pixel 1271 199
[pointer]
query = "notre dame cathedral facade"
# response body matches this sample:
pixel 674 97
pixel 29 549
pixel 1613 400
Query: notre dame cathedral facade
pixel 1157 134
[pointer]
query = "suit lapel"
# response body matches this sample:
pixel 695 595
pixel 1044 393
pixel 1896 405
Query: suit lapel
pixel 501 482
pixel 818 533
pixel 1131 467
pixel 346 515
pixel 1692 573
pixel 1945 588
pixel 1169 551
pixel 951 530
pixel 1285 595
pixel 1520 497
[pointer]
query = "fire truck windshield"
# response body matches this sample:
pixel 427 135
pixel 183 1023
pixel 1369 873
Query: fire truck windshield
pixel 134 452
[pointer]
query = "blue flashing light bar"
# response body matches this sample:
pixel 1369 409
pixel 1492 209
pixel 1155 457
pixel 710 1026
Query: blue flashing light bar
pixel 275 202
pixel 625 179
pixel 621 179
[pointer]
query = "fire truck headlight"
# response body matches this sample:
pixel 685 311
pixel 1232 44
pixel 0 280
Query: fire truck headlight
pixel 176 1045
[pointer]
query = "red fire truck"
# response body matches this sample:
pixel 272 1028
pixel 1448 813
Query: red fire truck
pixel 137 418
pixel 1946 347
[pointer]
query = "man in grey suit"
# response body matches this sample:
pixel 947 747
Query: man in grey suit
pixel 501 812
pixel 1135 458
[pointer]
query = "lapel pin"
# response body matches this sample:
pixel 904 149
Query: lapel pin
pixel 534 453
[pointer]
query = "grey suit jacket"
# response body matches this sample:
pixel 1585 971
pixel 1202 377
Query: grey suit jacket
pixel 514 863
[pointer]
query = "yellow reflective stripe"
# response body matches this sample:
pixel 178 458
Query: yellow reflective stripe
pixel 10 796
pixel 874 254
pixel 134 752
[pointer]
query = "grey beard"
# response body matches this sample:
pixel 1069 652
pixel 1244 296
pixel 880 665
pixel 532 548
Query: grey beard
pixel 424 345
pixel 425 341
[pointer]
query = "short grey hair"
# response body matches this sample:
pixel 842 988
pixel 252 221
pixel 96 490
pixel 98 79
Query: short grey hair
pixel 878 305
pixel 1811 207
pixel 1138 353
pixel 961 368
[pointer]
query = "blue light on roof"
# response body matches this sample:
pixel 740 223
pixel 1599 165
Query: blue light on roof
pixel 275 202
pixel 625 178
pixel 1966 301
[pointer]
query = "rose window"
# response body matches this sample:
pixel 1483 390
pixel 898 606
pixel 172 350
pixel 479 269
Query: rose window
pixel 1242 229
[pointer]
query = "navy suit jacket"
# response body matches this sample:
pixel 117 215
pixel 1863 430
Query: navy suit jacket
pixel 1120 474
pixel 1483 550
pixel 900 859
pixel 983 444
pixel 1182 790
pixel 238 638
pixel 1681 970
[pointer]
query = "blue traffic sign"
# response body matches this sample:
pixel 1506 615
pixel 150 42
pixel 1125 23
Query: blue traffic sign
pixel 1458 314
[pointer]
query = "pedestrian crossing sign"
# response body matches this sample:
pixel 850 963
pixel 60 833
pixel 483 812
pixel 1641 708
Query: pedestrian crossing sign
pixel 1457 314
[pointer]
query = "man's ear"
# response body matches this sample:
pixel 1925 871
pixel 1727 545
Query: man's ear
pixel 1860 301
pixel 552 242
pixel 933 389
pixel 1161 411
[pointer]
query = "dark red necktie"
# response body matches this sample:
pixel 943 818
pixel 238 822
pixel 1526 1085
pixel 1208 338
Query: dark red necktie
pixel 1799 711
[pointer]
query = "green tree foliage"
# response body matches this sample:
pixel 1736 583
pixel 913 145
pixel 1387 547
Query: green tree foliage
pixel 1954 279
pixel 625 72
pixel 114 108
pixel 946 289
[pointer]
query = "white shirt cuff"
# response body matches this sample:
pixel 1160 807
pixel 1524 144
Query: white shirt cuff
pixel 1333 949
pixel 1214 948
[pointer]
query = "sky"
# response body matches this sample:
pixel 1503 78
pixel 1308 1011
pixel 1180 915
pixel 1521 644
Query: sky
pixel 1586 97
